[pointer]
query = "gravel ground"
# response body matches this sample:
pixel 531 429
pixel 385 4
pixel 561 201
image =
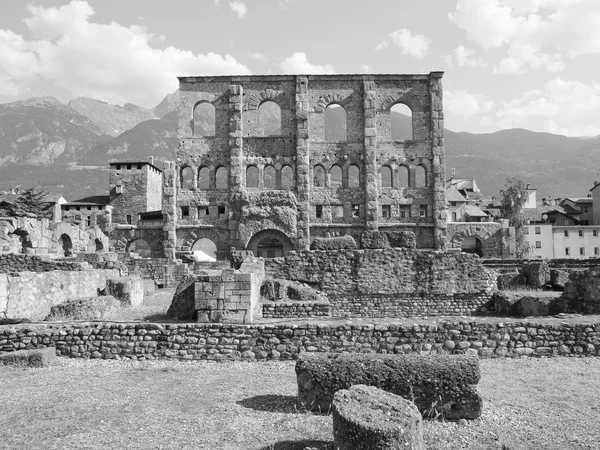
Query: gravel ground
pixel 529 404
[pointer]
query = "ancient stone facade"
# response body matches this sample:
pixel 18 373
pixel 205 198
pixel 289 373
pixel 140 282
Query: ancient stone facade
pixel 494 239
pixel 274 191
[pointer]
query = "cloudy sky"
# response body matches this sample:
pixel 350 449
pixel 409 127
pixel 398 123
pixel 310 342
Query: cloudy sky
pixel 531 64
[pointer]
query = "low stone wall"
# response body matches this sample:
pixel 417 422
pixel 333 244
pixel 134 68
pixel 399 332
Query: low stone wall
pixel 29 295
pixel 392 282
pixel 13 262
pixel 296 309
pixel 286 341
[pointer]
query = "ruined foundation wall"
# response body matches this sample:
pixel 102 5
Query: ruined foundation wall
pixel 393 282
pixel 29 295
pixel 285 341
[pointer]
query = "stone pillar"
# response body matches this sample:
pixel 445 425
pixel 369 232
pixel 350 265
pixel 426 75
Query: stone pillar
pixel 236 162
pixel 438 166
pixel 169 209
pixel 302 162
pixel 371 178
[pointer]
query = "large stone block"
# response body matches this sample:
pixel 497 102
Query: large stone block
pixel 438 384
pixel 40 357
pixel 91 308
pixel 128 290
pixel 368 418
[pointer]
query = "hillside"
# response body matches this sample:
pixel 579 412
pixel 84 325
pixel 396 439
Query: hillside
pixel 111 119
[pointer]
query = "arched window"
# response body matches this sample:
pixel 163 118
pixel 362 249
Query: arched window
pixel 403 176
pixel 221 176
pixel 141 247
pixel 252 177
pixel 269 180
pixel 353 176
pixel 204 179
pixel 269 119
pixel 287 177
pixel 335 123
pixel 187 178
pixel 318 176
pixel 336 176
pixel 401 122
pixel 386 177
pixel 420 176
pixel 204 250
pixel 204 119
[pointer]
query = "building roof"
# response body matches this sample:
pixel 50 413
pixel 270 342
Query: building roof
pixel 579 200
pixel 92 200
pixel 452 195
pixel 474 211
pixel 535 214
pixel 463 184
pixel 114 163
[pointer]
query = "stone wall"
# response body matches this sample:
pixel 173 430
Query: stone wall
pixel 14 262
pixel 29 295
pixel 391 282
pixel 295 309
pixel 497 238
pixel 286 341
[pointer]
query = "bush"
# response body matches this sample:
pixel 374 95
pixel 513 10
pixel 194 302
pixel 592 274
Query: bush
pixel 333 243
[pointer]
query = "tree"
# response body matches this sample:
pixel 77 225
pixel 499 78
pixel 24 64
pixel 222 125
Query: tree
pixel 31 203
pixel 514 196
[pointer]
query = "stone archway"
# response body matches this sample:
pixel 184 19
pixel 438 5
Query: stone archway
pixel 471 238
pixel 141 247
pixel 66 244
pixel 270 244
pixel 472 244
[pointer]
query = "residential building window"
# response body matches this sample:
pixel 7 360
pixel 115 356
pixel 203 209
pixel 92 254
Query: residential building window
pixel 128 166
pixel 203 211
pixel 338 211
pixel 566 251
pixel 580 233
pixel 89 221
pixel 423 211
pixel 454 220
pixel 355 210
pixel 566 232
pixel 118 166
pixel 582 250
pixel 595 233
pixel 404 212
pixel 221 211
pixel 78 208
pixel 319 211
pixel 538 244
pixel 386 211
pixel 128 219
pixel 452 203
pixel 185 211
pixel 596 250
pixel 538 230
pixel 139 166
pixel 89 208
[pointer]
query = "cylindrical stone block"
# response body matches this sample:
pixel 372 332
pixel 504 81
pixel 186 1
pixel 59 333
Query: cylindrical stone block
pixel 368 418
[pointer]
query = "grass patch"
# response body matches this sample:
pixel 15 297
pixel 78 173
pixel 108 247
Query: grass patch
pixel 529 404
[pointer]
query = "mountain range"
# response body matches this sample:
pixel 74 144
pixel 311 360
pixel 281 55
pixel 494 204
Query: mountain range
pixel 66 148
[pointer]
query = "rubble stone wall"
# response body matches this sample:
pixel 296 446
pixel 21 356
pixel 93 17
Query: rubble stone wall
pixel 14 262
pixel 391 282
pixel 286 341
pixel 497 238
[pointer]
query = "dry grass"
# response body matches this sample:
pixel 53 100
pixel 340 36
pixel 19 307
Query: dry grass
pixel 529 404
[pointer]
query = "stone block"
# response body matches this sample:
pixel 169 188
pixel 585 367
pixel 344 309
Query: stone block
pixel 40 357
pixel 128 290
pixel 91 308
pixel 368 418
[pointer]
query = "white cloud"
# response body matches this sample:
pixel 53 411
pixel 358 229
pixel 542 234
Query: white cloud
pixel 558 106
pixel 536 33
pixel 257 56
pixel 239 8
pixel 298 64
pixel 464 57
pixel 70 53
pixel 417 45
pixel 464 103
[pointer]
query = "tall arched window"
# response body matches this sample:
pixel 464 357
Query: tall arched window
pixel 252 177
pixel 287 177
pixel 187 178
pixel 401 122
pixel 334 124
pixel 353 176
pixel 420 176
pixel 336 176
pixel 221 181
pixel 403 176
pixel 386 177
pixel 318 176
pixel 269 180
pixel 204 179
pixel 269 119
pixel 204 119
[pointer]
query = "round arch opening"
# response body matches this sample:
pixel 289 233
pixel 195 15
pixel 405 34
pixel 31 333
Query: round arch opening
pixel 270 244
pixel 141 247
pixel 204 250
pixel 472 244
pixel 66 245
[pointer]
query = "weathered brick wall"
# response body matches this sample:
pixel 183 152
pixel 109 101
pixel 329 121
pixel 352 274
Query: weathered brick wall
pixel 392 282
pixel 286 341
pixel 13 262
pixel 30 295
